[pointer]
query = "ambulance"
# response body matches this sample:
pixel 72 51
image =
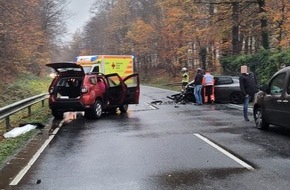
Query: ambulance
pixel 107 64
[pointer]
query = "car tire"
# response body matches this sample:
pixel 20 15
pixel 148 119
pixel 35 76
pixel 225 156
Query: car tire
pixel 260 120
pixel 124 108
pixel 97 110
pixel 237 98
pixel 57 114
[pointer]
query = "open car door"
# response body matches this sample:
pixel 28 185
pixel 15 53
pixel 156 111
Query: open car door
pixel 116 91
pixel 133 89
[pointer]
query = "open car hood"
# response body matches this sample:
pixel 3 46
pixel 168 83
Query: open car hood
pixel 67 69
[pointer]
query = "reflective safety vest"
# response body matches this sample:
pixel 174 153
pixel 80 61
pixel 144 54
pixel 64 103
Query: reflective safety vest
pixel 208 79
pixel 185 77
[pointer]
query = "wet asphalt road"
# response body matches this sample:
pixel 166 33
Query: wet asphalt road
pixel 162 146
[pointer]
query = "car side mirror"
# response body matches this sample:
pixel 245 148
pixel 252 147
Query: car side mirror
pixel 264 87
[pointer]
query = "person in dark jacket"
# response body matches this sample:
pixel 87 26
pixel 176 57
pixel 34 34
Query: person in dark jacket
pixel 198 86
pixel 248 86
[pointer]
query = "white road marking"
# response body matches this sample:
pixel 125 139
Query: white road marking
pixel 151 106
pixel 236 159
pixel 20 175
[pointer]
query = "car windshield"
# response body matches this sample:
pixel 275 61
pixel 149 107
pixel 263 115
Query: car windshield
pixel 87 68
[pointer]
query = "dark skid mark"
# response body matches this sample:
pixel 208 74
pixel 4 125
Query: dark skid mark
pixel 126 128
pixel 148 135
pixel 193 112
pixel 157 102
pixel 191 178
pixel 230 130
pixel 217 123
pixel 223 107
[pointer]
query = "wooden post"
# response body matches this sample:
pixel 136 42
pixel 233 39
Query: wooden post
pixel 7 119
pixel 29 111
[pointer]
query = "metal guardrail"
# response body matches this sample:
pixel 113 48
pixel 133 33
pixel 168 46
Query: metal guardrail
pixel 174 84
pixel 7 111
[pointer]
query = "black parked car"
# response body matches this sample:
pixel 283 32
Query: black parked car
pixel 227 90
pixel 272 102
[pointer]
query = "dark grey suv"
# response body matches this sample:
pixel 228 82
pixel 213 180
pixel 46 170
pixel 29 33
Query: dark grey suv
pixel 272 102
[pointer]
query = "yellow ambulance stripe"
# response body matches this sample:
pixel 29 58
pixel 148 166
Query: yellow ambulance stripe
pixel 129 68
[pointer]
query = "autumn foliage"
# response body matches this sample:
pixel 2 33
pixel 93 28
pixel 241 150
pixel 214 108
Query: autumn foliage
pixel 28 30
pixel 176 33
pixel 168 34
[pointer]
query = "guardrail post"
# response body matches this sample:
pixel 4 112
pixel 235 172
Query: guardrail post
pixel 7 111
pixel 29 110
pixel 7 119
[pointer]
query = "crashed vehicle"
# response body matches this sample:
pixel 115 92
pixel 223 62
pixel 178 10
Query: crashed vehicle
pixel 74 90
pixel 227 90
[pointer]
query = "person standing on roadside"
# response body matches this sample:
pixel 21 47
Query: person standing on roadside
pixel 198 86
pixel 248 86
pixel 208 83
pixel 185 77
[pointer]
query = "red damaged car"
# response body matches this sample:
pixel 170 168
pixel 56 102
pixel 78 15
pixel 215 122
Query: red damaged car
pixel 93 93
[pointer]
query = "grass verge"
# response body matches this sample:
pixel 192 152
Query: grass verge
pixel 24 87
pixel 10 146
pixel 161 79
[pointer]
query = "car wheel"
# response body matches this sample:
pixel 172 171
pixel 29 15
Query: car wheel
pixel 57 114
pixel 124 108
pixel 259 119
pixel 236 98
pixel 97 110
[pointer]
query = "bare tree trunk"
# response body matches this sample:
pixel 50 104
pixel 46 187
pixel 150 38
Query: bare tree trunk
pixel 264 25
pixel 235 28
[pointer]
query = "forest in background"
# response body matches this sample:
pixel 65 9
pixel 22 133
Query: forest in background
pixel 219 35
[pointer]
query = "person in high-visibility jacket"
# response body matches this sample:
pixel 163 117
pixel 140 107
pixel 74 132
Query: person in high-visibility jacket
pixel 185 77
pixel 208 84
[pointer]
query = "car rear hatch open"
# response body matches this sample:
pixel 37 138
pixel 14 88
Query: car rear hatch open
pixel 68 84
pixel 67 69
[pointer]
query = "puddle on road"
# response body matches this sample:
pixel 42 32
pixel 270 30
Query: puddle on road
pixel 178 179
pixel 148 135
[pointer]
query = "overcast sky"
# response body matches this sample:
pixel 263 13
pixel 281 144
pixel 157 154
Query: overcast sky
pixel 80 10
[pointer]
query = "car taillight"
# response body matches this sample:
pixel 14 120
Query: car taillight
pixel 85 89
